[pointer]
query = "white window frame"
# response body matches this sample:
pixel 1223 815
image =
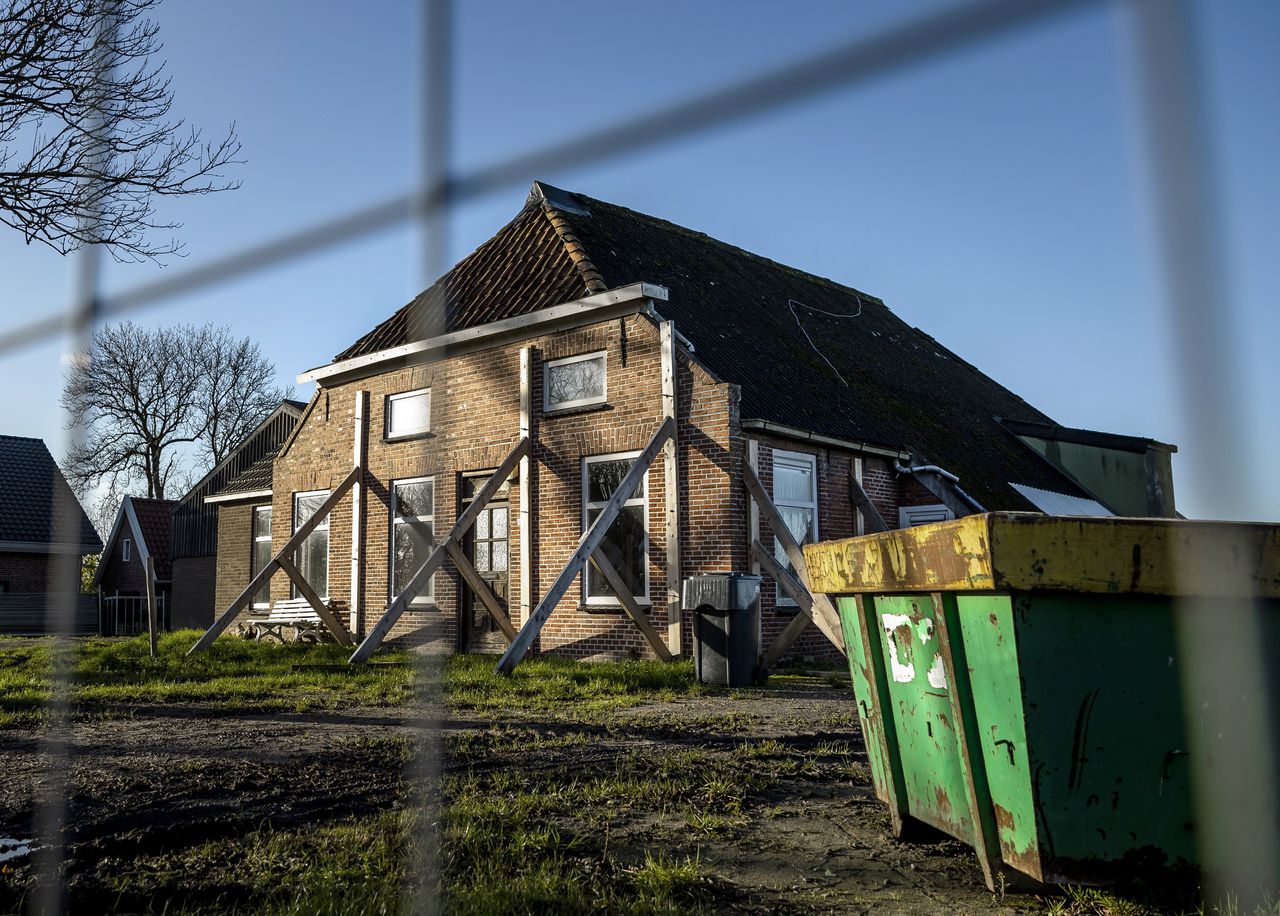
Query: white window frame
pixel 908 514
pixel 603 397
pixel 426 597
pixel 795 459
pixel 254 540
pixel 643 501
pixel 126 550
pixel 387 432
pixel 328 548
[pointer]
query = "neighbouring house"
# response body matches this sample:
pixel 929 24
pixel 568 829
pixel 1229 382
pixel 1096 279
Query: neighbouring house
pixel 33 540
pixel 141 532
pixel 195 516
pixel 596 404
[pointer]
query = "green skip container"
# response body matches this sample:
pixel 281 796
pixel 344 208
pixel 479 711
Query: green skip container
pixel 1022 686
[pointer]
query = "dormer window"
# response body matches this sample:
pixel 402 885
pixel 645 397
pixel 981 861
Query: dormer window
pixel 575 381
pixel 408 414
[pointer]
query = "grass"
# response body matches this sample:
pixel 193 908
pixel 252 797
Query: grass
pixel 565 687
pixel 115 674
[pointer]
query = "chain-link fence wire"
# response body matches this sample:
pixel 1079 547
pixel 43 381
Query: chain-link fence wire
pixel 1234 817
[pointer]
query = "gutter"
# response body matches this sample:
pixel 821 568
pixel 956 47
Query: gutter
pixel 237 497
pixel 61 548
pixel 614 303
pixel 794 432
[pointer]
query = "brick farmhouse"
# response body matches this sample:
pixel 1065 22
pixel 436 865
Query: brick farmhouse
pixel 581 327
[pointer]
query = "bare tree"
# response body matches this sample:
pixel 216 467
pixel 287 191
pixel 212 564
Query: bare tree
pixel 159 404
pixel 86 138
pixel 237 389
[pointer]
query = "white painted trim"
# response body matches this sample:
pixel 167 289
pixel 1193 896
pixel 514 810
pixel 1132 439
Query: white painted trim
pixel 588 310
pixel 796 459
pixel 550 364
pixel 642 600
pixel 389 399
pixel 426 596
pixel 264 493
pixel 328 545
pixel 254 539
pixel 794 432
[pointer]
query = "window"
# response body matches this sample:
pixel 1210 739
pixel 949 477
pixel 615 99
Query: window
pixel 911 516
pixel 795 493
pixel 412 534
pixel 627 543
pixel 408 413
pixel 126 550
pixel 312 557
pixel 575 381
pixel 261 552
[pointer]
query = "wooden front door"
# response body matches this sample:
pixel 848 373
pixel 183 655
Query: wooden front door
pixel 487 548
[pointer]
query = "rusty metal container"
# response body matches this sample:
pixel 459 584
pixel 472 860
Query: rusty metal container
pixel 1021 683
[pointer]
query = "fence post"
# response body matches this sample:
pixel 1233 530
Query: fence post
pixel 151 602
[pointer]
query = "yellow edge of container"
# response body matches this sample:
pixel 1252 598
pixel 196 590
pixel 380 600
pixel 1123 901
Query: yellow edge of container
pixel 1026 551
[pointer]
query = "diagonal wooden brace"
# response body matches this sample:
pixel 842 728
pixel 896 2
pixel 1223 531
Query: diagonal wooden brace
pixel 265 574
pixel 821 611
pixel 322 610
pixel 629 604
pixel 480 589
pixel 587 544
pixel 797 593
pixel 437 557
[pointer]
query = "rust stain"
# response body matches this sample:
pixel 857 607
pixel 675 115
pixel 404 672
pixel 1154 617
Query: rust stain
pixel 1004 818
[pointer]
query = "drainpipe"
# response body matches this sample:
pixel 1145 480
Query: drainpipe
pixel 945 475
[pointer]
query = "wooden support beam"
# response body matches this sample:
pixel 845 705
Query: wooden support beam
pixel 526 520
pixel 824 612
pixel 797 592
pixel 479 588
pixel 587 544
pixel 360 460
pixel 629 604
pixel 437 556
pixel 269 569
pixel 671 488
pixel 871 517
pixel 945 490
pixel 304 588
pixel 152 621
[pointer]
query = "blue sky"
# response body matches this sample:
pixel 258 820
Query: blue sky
pixel 996 198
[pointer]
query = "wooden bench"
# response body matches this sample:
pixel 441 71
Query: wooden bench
pixel 295 614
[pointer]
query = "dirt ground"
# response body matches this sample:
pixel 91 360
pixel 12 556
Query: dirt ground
pixel 809 838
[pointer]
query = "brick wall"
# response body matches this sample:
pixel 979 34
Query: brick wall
pixel 24 572
pixel 475 423
pixel 193 592
pixel 235 551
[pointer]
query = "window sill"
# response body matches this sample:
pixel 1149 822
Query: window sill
pixel 613 608
pixel 573 411
pixel 409 437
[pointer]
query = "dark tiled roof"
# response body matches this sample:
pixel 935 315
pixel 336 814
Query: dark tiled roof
pixel 155 520
pixel 28 478
pixel 255 477
pixel 808 352
pixel 528 265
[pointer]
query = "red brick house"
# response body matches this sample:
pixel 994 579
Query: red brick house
pixel 31 487
pixel 579 329
pixel 142 529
